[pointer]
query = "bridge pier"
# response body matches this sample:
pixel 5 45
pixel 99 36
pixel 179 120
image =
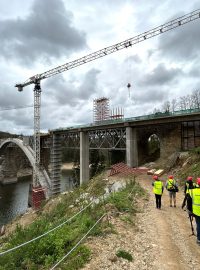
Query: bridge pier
pixel 84 157
pixel 131 147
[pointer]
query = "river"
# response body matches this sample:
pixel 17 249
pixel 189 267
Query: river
pixel 14 197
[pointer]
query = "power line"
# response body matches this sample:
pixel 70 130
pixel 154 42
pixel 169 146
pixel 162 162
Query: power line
pixel 15 108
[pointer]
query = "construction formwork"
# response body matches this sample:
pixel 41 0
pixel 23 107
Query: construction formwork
pixel 101 110
pixel 56 159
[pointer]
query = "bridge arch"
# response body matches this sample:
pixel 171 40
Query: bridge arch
pixel 28 151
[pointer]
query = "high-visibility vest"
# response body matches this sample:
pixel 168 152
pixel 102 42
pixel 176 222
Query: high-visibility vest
pixel 195 195
pixel 188 187
pixel 157 187
pixel 171 184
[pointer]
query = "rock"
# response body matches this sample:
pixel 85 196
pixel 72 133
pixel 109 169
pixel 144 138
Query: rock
pixel 113 258
pixel 2 230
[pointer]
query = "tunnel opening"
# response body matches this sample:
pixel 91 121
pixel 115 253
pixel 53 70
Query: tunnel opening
pixel 153 148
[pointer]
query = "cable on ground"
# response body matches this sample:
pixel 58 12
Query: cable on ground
pixel 78 242
pixel 40 236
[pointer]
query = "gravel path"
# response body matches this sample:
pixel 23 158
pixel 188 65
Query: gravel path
pixel 159 240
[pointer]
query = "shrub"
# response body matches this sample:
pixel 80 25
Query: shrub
pixel 124 254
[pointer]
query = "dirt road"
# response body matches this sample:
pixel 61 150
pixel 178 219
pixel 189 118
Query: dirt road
pixel 169 229
pixel 160 240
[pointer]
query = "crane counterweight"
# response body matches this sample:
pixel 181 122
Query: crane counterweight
pixel 19 87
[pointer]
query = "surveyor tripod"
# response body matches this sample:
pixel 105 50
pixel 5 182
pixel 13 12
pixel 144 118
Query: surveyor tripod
pixel 190 216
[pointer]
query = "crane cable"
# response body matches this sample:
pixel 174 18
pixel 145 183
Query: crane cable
pixel 40 236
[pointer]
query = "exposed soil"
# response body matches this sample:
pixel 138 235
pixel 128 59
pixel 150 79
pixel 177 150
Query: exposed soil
pixel 160 239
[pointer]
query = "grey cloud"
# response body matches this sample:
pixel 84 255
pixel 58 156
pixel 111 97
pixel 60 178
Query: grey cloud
pixel 160 75
pixel 89 85
pixel 194 71
pixel 10 98
pixel 183 43
pixel 46 33
pixel 72 92
pixel 150 96
pixel 18 118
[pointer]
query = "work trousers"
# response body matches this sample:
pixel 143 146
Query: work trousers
pixel 197 218
pixel 158 200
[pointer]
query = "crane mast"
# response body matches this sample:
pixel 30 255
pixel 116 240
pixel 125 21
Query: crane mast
pixel 37 103
pixel 189 17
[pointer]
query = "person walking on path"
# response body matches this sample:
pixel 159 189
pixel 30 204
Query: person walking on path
pixel 195 196
pixel 172 187
pixel 157 190
pixel 189 184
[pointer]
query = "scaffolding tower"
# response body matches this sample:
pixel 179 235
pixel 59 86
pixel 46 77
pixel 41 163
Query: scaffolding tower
pixel 101 110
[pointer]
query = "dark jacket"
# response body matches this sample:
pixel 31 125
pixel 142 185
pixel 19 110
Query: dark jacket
pixel 188 200
pixel 189 184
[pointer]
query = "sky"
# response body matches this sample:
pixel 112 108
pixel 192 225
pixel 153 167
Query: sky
pixel 36 36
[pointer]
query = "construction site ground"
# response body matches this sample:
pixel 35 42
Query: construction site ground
pixel 160 239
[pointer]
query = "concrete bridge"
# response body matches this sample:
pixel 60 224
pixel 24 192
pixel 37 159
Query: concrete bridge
pixel 29 153
pixel 176 132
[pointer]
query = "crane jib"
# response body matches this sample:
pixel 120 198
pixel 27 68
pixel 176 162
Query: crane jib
pixel 194 15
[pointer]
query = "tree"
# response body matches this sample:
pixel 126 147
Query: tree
pixel 166 106
pixel 196 99
pixel 183 103
pixel 173 105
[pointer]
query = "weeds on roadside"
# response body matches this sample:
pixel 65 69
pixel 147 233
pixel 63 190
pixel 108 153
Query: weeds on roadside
pixel 124 254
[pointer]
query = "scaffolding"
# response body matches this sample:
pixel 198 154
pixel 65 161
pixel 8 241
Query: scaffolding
pixel 117 113
pixel 56 160
pixel 101 110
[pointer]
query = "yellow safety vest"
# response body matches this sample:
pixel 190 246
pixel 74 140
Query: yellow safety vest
pixel 171 184
pixel 157 187
pixel 195 195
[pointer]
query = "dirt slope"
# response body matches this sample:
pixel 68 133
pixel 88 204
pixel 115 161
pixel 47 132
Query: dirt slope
pixel 160 240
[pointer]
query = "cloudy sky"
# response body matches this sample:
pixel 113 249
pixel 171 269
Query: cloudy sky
pixel 38 35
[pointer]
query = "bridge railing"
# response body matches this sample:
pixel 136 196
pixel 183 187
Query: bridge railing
pixel 135 118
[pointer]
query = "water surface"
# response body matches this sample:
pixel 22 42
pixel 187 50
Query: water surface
pixel 14 197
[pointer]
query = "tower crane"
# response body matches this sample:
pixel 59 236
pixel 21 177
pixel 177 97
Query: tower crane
pixel 36 79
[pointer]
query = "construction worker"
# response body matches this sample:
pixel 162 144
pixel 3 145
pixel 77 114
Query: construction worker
pixel 172 187
pixel 189 184
pixel 157 190
pixel 195 196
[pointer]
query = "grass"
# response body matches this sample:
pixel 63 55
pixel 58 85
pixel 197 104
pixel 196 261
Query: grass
pixel 45 252
pixel 192 168
pixel 124 254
